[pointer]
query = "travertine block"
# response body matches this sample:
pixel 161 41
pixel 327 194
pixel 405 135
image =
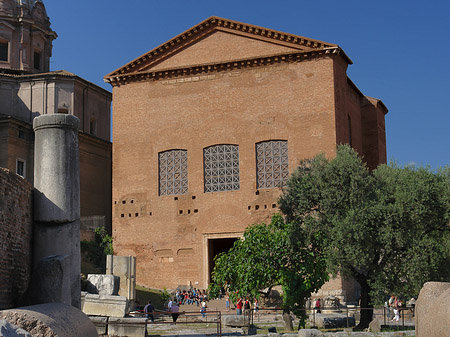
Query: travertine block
pixel 51 320
pixel 103 284
pixel 104 305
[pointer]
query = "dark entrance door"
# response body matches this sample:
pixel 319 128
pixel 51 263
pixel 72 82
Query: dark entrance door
pixel 215 247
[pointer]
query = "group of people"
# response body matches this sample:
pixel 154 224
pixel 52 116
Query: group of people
pixel 191 296
pixel 394 304
pixel 173 308
pixel 241 304
pixel 197 296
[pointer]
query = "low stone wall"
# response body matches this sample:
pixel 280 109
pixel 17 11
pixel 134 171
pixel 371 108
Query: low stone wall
pixel 15 237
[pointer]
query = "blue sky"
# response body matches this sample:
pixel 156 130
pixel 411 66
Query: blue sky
pixel 400 50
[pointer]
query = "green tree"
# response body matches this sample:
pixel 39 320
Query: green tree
pixel 388 229
pixel 97 250
pixel 267 256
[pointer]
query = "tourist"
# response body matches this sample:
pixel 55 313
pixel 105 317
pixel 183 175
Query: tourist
pixel 318 306
pixel 148 310
pixel 239 305
pixel 256 306
pixel 387 309
pixel 227 302
pixel 397 305
pixel 247 304
pixel 391 306
pixel 174 309
pixel 203 309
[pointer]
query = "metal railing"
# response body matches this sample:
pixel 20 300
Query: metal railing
pixel 185 317
pixel 384 316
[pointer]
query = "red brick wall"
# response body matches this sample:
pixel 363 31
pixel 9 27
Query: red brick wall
pixel 293 102
pixel 15 237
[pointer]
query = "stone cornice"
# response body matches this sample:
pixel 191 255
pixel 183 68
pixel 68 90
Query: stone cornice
pixel 53 75
pixel 216 23
pixel 161 74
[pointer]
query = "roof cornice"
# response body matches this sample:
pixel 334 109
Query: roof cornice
pixel 160 74
pixel 218 23
pixel 57 74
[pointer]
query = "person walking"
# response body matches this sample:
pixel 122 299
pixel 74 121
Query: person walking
pixel 318 306
pixel 174 309
pixel 203 309
pixel 148 310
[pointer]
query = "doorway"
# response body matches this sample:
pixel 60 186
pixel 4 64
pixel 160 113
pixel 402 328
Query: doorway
pixel 215 247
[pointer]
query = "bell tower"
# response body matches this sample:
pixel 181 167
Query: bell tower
pixel 25 37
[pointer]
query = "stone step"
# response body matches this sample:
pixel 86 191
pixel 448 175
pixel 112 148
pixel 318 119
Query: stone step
pixel 213 305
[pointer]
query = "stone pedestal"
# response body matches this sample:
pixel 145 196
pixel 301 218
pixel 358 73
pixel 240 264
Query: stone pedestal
pixel 57 199
pixel 125 268
pixel 236 320
pixel 103 305
pixel 127 327
pixel 103 284
pixel 100 323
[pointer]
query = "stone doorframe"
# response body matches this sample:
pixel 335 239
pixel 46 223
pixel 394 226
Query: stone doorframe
pixel 209 236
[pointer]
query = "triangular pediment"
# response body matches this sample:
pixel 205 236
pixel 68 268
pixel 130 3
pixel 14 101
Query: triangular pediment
pixel 218 40
pixel 218 47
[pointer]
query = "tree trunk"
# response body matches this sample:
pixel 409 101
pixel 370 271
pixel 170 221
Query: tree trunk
pixel 287 320
pixel 366 307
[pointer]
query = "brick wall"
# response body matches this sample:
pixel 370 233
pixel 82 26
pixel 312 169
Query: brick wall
pixel 15 237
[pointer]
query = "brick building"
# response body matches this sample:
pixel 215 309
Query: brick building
pixel 28 88
pixel 207 128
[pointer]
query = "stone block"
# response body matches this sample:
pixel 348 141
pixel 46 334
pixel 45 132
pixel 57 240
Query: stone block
pixel 331 321
pixel 83 295
pixel 310 333
pixel 375 325
pixel 104 305
pixel 100 323
pixel 50 282
pixel 51 320
pixel 251 331
pixel 125 268
pixel 129 327
pixel 432 315
pixel 103 284
pixel 10 330
pixel 236 320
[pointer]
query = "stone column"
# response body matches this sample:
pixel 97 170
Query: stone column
pixel 56 235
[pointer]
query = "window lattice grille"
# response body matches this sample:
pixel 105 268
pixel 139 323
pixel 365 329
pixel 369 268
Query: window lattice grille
pixel 173 172
pixel 221 168
pixel 272 163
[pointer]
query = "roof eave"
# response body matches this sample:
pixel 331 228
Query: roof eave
pixel 215 21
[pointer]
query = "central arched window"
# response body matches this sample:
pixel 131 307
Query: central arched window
pixel 272 163
pixel 173 172
pixel 221 168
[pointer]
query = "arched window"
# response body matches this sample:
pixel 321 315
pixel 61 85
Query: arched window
pixel 271 163
pixel 173 172
pixel 221 168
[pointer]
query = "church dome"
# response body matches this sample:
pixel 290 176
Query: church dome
pixel 7 7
